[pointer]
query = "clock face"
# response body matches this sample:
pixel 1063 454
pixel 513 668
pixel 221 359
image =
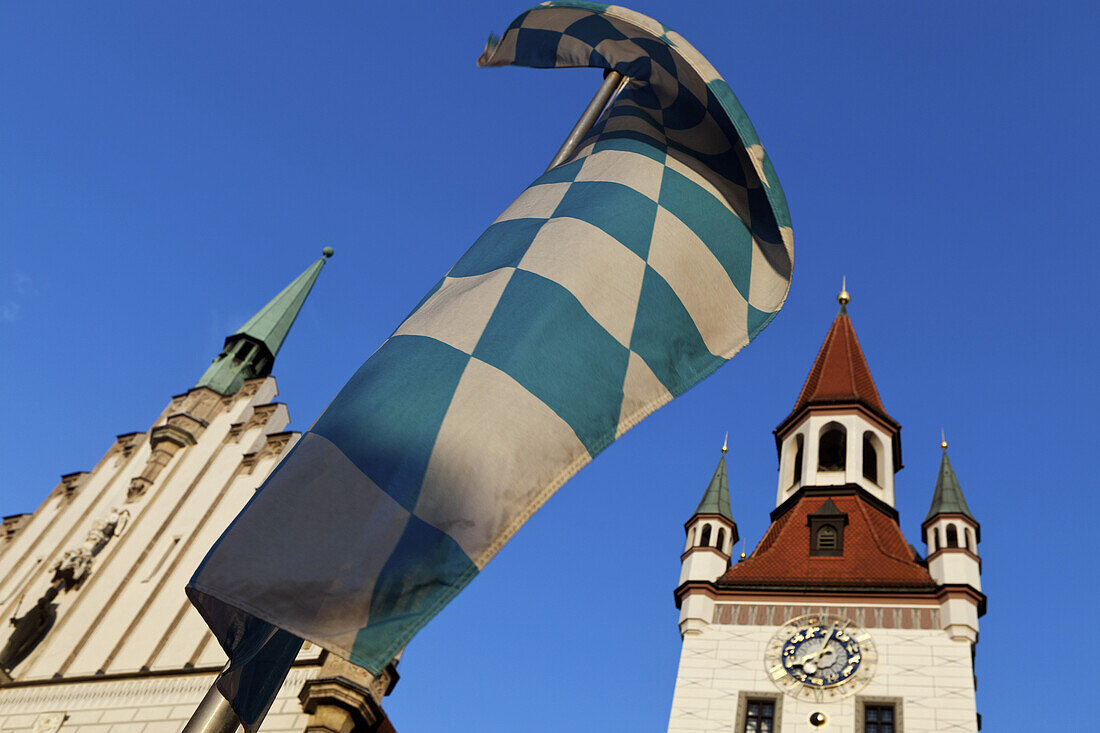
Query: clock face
pixel 820 657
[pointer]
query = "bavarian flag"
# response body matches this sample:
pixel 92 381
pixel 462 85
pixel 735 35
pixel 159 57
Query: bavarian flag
pixel 617 280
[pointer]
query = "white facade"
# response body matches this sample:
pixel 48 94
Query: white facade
pixel 127 651
pixel 925 673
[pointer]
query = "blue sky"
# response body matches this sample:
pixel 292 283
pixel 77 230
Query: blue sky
pixel 165 168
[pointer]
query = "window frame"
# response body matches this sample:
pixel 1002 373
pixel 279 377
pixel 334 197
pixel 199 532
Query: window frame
pixel 743 700
pixel 876 701
pixel 870 448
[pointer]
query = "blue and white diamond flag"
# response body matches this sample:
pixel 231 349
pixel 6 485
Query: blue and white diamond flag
pixel 616 281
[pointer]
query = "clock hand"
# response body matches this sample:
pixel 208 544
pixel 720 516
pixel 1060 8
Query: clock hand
pixel 825 644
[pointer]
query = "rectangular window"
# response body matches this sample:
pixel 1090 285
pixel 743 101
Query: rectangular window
pixel 760 716
pixel 878 719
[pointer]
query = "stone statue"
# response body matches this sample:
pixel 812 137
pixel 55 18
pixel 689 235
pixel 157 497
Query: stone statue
pixel 72 568
pixel 30 629
pixel 75 565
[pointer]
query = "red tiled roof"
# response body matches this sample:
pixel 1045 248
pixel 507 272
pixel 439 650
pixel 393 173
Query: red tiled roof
pixel 840 373
pixel 876 554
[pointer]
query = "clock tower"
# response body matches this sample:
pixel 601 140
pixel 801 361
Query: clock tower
pixel 834 621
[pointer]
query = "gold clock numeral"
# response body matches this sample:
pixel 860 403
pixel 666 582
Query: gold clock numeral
pixel 778 673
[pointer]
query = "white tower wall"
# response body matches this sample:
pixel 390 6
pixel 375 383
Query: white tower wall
pixel 855 424
pixel 921 670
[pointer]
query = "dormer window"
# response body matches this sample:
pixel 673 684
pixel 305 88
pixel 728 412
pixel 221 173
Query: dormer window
pixel 832 448
pixel 827 530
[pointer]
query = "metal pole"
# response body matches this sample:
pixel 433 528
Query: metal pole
pixel 612 81
pixel 213 715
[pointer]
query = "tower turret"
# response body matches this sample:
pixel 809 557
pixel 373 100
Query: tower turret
pixel 250 352
pixel 834 620
pixel 711 535
pixel 951 536
pixel 838 433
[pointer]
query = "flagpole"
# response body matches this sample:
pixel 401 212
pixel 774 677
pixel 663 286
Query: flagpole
pixel 213 715
pixel 612 81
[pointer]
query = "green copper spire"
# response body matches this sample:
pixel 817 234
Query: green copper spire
pixel 948 496
pixel 716 500
pixel 250 352
pixel 271 325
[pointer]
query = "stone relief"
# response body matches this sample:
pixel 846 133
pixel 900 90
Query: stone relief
pixel 48 723
pixel 66 574
pixel 74 565
pixel 274 444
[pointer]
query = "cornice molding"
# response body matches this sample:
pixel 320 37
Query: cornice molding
pixel 711 550
pixel 828 491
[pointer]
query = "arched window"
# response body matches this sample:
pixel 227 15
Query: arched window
pixel 935 539
pixel 720 543
pixel 832 448
pixel 798 442
pixel 952 536
pixel 691 537
pixel 704 539
pixel 826 537
pixel 969 540
pixel 870 458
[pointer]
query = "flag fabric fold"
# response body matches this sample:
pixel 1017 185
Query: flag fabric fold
pixel 616 281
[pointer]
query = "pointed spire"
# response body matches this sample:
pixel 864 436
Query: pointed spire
pixel 840 373
pixel 948 496
pixel 716 499
pixel 271 325
pixel 251 350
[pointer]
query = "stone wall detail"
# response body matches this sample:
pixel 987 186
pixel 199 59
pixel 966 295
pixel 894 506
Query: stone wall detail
pixel 871 617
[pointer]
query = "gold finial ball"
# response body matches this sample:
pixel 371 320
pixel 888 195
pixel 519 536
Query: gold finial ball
pixel 742 556
pixel 943 444
pixel 327 251
pixel 844 298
